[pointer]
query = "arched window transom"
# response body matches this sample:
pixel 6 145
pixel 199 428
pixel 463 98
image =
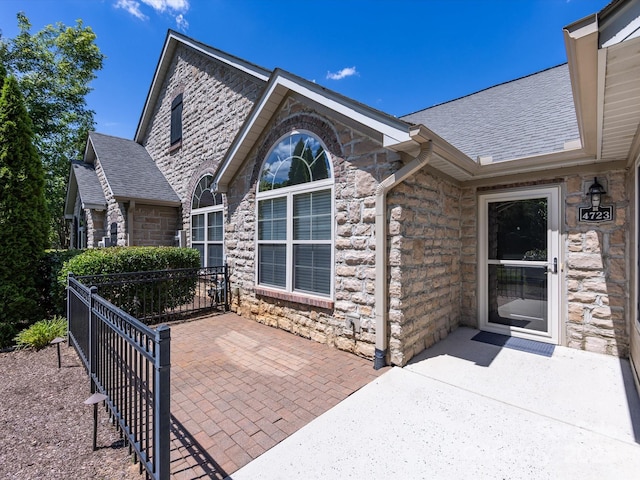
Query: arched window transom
pixel 298 158
pixel 207 227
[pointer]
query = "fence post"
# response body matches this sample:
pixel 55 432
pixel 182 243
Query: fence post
pixel 92 340
pixel 226 287
pixel 69 276
pixel 162 401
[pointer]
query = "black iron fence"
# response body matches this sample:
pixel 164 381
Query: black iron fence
pixel 165 295
pixel 129 363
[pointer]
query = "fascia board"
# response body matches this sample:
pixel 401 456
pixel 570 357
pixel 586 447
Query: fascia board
pixel 278 87
pixel 146 201
pixel 72 192
pixel 536 163
pixel 581 43
pixel 94 206
pixel 445 150
pixel 391 134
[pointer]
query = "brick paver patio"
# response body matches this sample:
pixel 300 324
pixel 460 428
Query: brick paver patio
pixel 239 387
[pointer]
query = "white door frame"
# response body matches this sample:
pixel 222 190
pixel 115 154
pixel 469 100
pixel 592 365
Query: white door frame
pixel 552 194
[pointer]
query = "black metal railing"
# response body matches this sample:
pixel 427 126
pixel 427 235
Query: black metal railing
pixel 165 295
pixel 129 363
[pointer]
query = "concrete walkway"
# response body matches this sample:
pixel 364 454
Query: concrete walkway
pixel 464 410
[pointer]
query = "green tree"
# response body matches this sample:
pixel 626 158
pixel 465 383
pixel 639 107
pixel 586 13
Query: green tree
pixel 24 220
pixel 54 68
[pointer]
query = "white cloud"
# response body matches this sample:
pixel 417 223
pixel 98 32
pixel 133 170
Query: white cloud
pixel 340 74
pixel 163 5
pixel 176 8
pixel 131 7
pixel 182 23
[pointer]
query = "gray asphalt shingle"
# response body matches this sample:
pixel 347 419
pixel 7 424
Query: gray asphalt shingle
pixel 89 187
pixel 131 172
pixel 529 116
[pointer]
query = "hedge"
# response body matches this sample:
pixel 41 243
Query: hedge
pixel 52 294
pixel 159 296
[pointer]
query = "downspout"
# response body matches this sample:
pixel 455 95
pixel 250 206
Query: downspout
pixel 381 305
pixel 132 206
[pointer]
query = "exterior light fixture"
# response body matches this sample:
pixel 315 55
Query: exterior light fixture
pixel 595 192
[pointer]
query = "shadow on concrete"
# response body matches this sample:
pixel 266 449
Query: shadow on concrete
pixel 633 396
pixel 482 354
pixel 198 462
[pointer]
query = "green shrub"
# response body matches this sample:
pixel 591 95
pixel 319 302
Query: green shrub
pixel 52 293
pixel 137 298
pixel 40 334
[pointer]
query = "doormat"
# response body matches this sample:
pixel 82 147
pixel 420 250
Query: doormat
pixel 530 346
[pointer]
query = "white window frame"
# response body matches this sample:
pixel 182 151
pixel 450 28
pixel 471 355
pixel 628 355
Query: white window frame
pixel 289 193
pixel 207 242
pixel 205 211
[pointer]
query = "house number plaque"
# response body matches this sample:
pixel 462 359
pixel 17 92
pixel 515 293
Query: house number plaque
pixel 602 213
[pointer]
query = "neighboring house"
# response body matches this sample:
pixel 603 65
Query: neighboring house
pixel 380 235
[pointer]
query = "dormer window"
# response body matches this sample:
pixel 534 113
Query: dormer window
pixel 176 120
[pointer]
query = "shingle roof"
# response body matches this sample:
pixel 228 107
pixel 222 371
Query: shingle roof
pixel 130 171
pixel 88 184
pixel 529 116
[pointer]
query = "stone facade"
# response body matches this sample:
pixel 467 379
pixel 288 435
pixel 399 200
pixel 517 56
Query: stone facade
pixel 216 100
pixel 596 268
pixel 594 278
pixel 359 164
pixel 155 225
pixel 424 259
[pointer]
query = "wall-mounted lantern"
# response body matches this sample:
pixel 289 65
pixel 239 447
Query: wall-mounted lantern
pixel 595 192
pixel 596 212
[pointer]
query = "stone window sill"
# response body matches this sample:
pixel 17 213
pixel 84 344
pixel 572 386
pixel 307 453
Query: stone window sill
pixel 175 147
pixel 295 297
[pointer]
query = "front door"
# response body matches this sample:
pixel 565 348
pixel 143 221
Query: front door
pixel 519 267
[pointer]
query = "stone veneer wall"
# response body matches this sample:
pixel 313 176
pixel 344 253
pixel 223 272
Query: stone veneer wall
pixel 469 257
pixel 359 164
pixel 154 225
pixel 116 211
pixel 95 227
pixel 216 100
pixel 424 263
pixel 596 268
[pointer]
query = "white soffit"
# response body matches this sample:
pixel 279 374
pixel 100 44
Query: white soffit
pixel 621 101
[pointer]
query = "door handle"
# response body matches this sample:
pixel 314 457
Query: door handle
pixel 554 265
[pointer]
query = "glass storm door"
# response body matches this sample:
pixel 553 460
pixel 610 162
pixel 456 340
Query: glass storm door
pixel 519 267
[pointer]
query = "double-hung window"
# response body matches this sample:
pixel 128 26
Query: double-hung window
pixel 207 232
pixel 295 217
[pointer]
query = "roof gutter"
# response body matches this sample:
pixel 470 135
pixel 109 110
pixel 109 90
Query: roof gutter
pixel 381 297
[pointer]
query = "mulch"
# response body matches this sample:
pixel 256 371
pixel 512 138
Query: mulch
pixel 47 429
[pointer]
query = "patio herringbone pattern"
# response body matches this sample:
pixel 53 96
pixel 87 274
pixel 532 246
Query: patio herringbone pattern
pixel 239 387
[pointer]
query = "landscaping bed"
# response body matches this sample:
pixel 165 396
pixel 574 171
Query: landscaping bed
pixel 47 429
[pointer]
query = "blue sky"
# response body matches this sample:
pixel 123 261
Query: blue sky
pixel 398 56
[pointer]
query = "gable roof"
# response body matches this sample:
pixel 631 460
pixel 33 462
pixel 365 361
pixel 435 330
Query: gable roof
pixel 130 172
pixel 530 116
pixel 390 131
pixel 171 42
pixel 83 181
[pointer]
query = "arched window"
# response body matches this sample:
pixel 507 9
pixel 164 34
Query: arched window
pixel 295 217
pixel 207 232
